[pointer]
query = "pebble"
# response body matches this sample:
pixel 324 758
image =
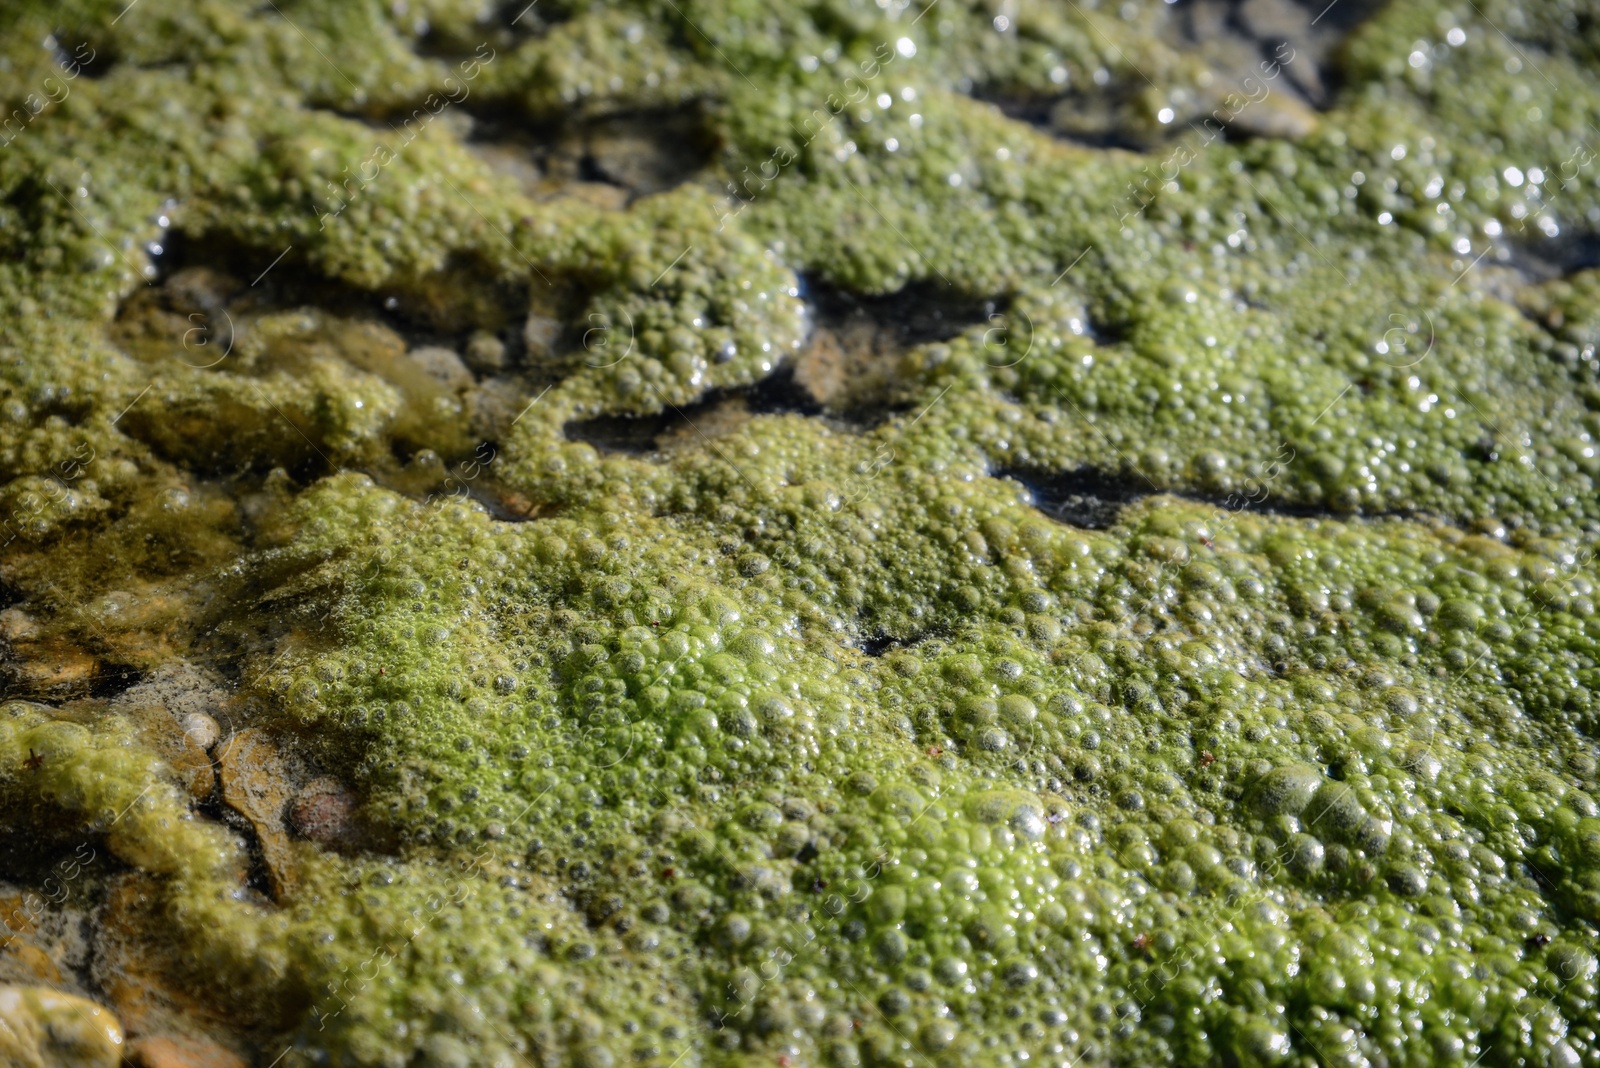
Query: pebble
pixel 442 365
pixel 201 729
pixel 43 1028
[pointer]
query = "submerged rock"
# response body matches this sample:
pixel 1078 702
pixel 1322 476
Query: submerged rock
pixel 255 784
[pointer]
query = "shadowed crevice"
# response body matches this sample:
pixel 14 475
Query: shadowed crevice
pixel 1094 499
pixel 717 413
pixel 916 314
pixel 607 159
pixel 1238 40
pixel 883 643
pixel 208 273
pixel 1543 259
pixel 503 26
pixel 850 365
pixel 846 375
pixel 112 679
pixel 1086 497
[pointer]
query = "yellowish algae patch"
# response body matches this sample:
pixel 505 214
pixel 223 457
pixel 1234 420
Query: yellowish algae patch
pixel 39 1028
pixel 802 745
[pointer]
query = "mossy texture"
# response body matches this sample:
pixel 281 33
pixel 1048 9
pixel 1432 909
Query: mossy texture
pixel 799 741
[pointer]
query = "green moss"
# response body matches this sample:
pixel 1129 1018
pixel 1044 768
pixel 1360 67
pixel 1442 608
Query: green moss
pixel 793 741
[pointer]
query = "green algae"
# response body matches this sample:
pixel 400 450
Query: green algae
pixel 792 742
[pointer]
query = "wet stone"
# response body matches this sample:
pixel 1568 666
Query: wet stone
pixel 255 783
pixel 40 1028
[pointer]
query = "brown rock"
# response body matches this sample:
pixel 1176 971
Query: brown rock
pixel 176 1051
pixel 179 687
pixel 177 747
pixel 201 288
pixel 255 783
pixel 1275 19
pixel 325 812
pixel 122 969
pixel 514 162
pixel 851 362
pixel 16 916
pixel 820 368
pixel 25 962
pixel 600 195
pixel 517 504
pixel 42 933
pixel 494 405
pixel 43 1028
pixel 17 626
pixel 52 666
pixel 146 975
pixel 642 155
pixel 145 622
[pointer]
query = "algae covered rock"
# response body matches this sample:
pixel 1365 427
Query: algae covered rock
pixel 40 1028
pixel 711 534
